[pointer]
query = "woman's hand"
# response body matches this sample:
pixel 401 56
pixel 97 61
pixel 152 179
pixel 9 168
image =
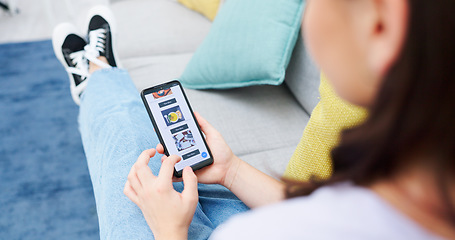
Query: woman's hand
pixel 225 164
pixel 167 212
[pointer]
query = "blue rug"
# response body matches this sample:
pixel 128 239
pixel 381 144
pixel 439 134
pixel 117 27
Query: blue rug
pixel 45 188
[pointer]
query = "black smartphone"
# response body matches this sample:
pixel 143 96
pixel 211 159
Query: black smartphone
pixel 176 126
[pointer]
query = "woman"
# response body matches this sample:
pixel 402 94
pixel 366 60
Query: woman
pixel 393 174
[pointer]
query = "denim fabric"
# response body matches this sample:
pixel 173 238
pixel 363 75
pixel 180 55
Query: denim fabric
pixel 115 129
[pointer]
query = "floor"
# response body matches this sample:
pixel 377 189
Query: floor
pixel 36 19
pixel 42 204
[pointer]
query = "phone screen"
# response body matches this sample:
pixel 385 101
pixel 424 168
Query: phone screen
pixel 175 125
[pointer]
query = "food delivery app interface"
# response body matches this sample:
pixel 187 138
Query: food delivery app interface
pixel 177 126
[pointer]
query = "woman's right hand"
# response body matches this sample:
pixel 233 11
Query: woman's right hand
pixel 223 170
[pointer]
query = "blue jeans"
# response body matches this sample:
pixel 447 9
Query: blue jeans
pixel 115 129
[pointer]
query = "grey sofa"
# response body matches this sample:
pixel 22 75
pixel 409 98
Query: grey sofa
pixel 262 124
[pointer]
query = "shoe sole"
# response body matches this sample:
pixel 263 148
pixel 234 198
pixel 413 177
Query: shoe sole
pixel 58 37
pixel 108 15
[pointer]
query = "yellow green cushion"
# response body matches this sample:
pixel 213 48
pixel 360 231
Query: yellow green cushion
pixel 329 118
pixel 208 8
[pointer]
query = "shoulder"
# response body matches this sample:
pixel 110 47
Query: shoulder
pixel 334 212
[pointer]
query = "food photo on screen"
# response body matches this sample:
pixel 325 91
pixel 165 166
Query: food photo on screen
pixel 172 115
pixel 162 93
pixel 184 140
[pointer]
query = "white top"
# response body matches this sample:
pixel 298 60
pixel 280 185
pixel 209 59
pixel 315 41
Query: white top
pixel 342 211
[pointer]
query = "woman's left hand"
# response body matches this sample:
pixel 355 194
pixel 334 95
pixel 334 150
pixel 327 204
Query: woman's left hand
pixel 167 212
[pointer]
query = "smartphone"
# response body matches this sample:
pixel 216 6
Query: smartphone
pixel 176 126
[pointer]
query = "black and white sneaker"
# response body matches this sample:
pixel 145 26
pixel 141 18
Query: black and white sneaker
pixel 69 49
pixel 101 33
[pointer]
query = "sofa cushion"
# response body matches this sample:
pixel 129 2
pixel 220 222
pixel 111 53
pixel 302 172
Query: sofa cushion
pixel 329 118
pixel 208 8
pixel 249 43
pixel 147 71
pixel 158 27
pixel 303 77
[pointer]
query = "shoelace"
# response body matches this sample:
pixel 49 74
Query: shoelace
pixel 80 64
pixel 97 42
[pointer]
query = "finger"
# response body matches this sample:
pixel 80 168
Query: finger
pixel 145 175
pixel 206 127
pixel 189 192
pixel 160 148
pixel 145 156
pixel 130 193
pixel 134 182
pixel 167 169
pixel 142 162
pixel 162 158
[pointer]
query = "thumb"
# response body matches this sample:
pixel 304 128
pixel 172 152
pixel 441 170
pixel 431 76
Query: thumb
pixel 190 193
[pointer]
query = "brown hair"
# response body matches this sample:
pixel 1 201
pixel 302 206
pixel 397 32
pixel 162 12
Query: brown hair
pixel 413 114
